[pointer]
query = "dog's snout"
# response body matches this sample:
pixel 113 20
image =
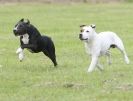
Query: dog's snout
pixel 80 36
pixel 14 30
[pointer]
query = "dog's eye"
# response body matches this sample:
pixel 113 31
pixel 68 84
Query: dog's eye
pixel 87 31
pixel 81 30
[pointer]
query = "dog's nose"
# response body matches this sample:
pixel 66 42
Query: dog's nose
pixel 80 36
pixel 14 30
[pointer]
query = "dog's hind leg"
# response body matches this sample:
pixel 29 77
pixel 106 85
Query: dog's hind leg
pixel 108 54
pixel 49 49
pixel 120 46
pixel 125 55
pixel 51 56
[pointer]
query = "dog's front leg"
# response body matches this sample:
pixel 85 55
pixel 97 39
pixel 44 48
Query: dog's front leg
pixel 19 50
pixel 20 53
pixel 93 63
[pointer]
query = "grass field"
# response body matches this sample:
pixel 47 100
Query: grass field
pixel 36 79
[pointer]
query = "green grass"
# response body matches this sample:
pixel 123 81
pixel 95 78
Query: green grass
pixel 36 79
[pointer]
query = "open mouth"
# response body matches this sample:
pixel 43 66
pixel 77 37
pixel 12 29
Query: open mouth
pixel 83 39
pixel 18 33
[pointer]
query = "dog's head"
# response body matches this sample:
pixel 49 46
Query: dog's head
pixel 86 32
pixel 21 27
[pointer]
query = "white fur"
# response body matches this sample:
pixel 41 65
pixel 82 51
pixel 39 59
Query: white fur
pixel 20 53
pixel 21 56
pixel 98 44
pixel 19 50
pixel 25 39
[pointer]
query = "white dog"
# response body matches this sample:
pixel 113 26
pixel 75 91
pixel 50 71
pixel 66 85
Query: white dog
pixel 99 44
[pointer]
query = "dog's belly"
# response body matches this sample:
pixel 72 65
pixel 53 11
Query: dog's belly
pixel 103 52
pixel 31 50
pixel 34 50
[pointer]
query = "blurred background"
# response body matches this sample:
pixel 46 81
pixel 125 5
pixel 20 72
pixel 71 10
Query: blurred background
pixel 67 1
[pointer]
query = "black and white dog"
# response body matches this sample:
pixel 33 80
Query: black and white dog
pixel 31 39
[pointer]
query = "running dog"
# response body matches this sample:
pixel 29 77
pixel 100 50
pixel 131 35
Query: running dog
pixel 31 39
pixel 99 44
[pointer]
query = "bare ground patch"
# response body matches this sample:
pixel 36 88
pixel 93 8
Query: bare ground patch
pixel 64 85
pixel 125 87
pixel 115 84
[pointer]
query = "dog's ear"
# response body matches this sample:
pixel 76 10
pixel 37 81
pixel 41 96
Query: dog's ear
pixel 93 26
pixel 27 22
pixel 82 26
pixel 22 20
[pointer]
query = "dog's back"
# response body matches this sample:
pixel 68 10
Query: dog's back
pixel 45 41
pixel 108 37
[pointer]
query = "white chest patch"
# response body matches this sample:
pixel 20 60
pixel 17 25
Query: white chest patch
pixel 25 39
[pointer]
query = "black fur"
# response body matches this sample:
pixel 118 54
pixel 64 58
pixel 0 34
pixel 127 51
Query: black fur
pixel 113 46
pixel 37 42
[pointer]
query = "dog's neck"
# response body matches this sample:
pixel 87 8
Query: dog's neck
pixel 93 37
pixel 32 30
pixel 94 34
pixel 89 44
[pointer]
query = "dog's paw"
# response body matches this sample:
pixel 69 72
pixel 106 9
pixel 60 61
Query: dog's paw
pixel 19 50
pixel 109 63
pixel 20 60
pixel 90 70
pixel 127 60
pixel 21 56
